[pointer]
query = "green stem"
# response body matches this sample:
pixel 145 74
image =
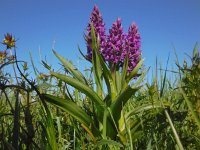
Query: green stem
pixel 14 67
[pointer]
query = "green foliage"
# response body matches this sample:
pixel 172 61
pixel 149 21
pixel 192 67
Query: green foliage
pixel 108 110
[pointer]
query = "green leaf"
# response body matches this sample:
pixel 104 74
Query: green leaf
pixel 141 78
pixel 124 73
pixel 73 71
pixel 46 65
pixel 118 81
pixel 58 128
pixel 70 107
pixel 142 108
pixel 164 80
pixel 50 129
pixel 121 100
pixel 107 76
pixel 96 63
pixel 134 71
pixel 81 52
pixel 32 63
pixel 84 89
pixel 195 51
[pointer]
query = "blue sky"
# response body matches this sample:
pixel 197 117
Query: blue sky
pixel 163 25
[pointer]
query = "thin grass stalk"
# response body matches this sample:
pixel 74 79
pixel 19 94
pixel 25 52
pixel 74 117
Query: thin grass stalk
pixel 166 112
pixel 7 99
pixel 34 68
pixel 128 132
pixel 174 131
pixel 16 127
pixel 74 139
pixel 14 67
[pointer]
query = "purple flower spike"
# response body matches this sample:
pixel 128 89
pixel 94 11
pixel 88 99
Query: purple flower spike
pixel 115 43
pixel 133 44
pixel 99 26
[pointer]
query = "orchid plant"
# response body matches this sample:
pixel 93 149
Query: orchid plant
pixel 116 61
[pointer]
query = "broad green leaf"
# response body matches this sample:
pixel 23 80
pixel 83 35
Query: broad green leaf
pixel 73 71
pixel 70 107
pixel 84 89
pixel 121 100
pixel 134 131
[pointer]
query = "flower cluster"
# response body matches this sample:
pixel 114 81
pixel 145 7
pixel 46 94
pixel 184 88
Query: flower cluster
pixel 9 41
pixel 117 45
pixel 133 46
pixel 99 26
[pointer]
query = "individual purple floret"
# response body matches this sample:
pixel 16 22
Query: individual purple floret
pixel 133 44
pixel 115 43
pixel 99 26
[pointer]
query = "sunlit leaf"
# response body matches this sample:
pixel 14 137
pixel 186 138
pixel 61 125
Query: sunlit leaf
pixel 74 71
pixel 70 107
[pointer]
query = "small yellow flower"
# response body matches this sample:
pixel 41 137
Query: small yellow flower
pixel 9 41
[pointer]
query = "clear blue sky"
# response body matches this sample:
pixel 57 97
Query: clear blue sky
pixel 162 25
